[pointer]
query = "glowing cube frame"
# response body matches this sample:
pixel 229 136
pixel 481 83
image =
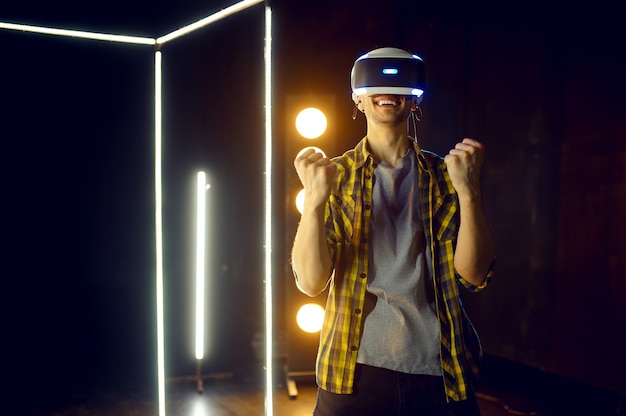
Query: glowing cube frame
pixel 157 43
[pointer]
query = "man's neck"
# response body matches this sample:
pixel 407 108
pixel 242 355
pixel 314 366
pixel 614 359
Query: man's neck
pixel 388 143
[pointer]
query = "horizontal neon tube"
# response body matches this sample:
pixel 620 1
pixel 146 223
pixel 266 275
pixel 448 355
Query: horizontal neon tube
pixel 78 34
pixel 207 20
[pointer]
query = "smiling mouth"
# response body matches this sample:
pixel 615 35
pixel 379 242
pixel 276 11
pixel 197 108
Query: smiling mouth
pixel 386 101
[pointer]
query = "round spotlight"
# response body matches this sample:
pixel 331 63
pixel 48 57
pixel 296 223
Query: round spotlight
pixel 310 317
pixel 300 201
pixel 311 123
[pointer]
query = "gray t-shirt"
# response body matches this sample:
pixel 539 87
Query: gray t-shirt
pixel 401 329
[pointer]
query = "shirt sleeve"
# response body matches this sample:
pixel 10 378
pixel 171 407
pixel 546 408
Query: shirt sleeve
pixel 474 288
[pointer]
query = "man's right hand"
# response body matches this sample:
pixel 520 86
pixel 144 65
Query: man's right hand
pixel 316 172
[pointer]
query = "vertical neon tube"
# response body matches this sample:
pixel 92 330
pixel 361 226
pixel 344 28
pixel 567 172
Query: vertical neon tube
pixel 158 216
pixel 200 261
pixel 269 326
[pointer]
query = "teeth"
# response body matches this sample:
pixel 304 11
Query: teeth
pixel 387 102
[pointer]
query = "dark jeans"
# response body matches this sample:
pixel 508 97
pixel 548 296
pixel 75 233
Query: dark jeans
pixel 382 392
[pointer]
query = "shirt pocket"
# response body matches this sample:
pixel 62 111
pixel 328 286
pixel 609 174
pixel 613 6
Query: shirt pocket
pixel 445 219
pixel 342 210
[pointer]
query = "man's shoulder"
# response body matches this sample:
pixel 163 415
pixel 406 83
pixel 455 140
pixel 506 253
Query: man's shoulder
pixel 432 160
pixel 430 155
pixel 351 159
pixel 347 158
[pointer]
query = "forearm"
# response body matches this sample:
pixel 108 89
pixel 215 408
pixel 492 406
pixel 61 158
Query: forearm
pixel 475 248
pixel 310 257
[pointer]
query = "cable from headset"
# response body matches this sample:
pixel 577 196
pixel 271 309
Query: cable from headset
pixel 415 116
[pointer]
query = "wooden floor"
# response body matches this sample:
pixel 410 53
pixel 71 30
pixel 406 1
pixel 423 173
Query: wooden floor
pixel 506 389
pixel 231 397
pixel 219 397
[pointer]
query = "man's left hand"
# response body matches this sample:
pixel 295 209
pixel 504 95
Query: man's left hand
pixel 464 163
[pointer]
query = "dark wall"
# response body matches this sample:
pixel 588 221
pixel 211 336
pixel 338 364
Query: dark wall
pixel 592 248
pixel 555 191
pixel 77 214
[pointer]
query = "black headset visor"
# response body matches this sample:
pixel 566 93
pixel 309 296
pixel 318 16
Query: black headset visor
pixel 389 72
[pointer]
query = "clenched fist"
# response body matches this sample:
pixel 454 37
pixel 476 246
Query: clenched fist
pixel 316 172
pixel 464 163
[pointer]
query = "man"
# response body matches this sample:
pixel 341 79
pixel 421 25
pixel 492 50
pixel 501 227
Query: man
pixel 393 230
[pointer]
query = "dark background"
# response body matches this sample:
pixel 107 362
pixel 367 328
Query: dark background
pixel 542 87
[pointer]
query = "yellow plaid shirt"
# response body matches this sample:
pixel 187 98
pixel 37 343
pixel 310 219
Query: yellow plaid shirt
pixel 348 223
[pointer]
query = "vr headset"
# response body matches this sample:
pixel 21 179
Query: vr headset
pixel 388 71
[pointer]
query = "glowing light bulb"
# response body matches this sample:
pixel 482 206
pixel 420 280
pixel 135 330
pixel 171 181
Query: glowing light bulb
pixel 310 317
pixel 311 123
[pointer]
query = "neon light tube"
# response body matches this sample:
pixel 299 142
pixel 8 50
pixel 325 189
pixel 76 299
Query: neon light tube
pixel 158 220
pixel 207 20
pixel 269 325
pixel 78 34
pixel 200 261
